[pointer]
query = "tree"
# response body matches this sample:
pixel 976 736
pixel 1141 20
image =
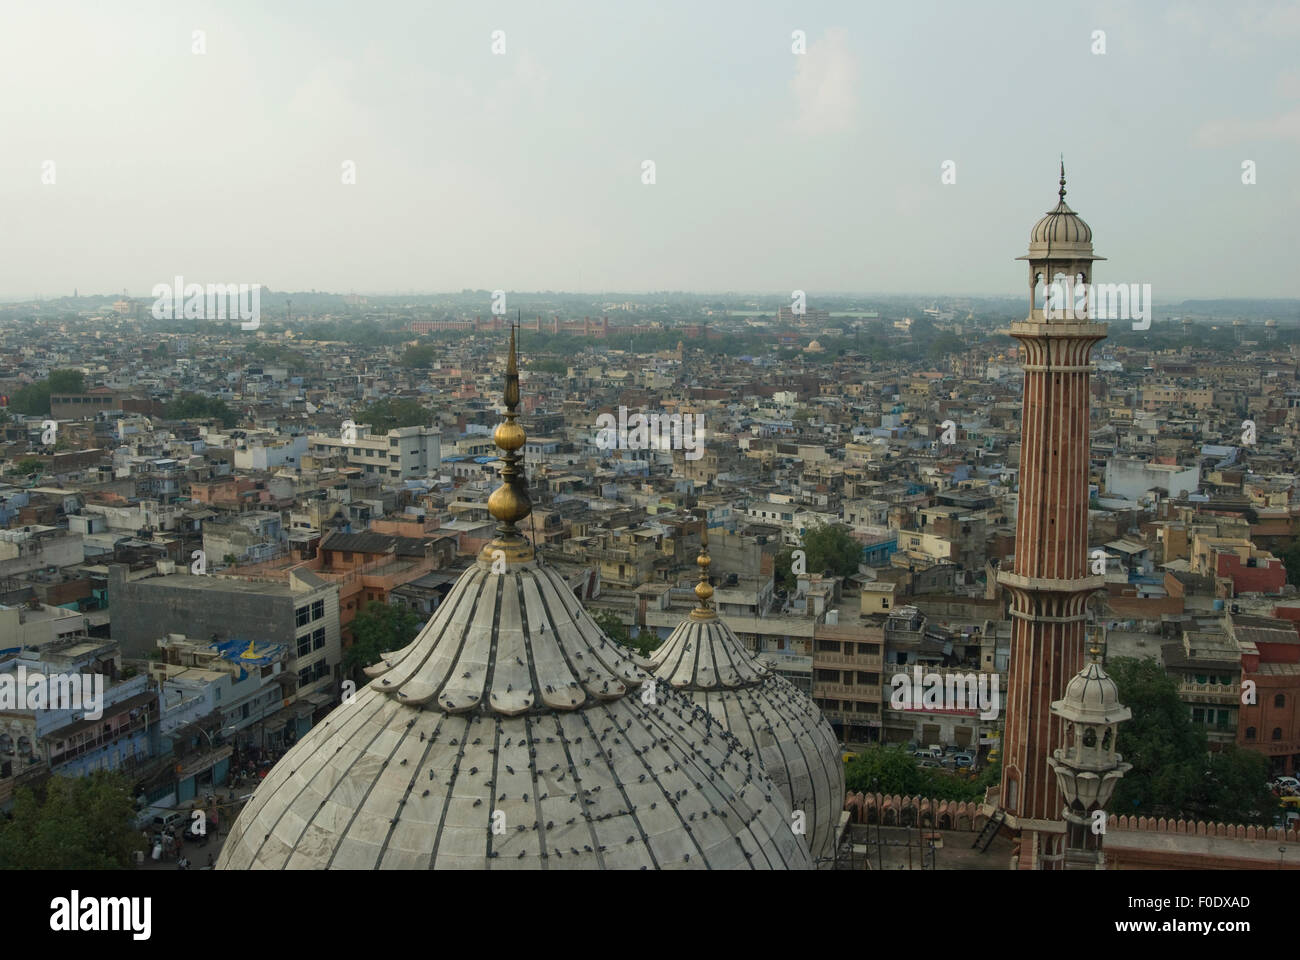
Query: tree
pixel 67 381
pixel 385 415
pixel 83 823
pixel 1174 774
pixel 557 365
pixel 195 406
pixel 618 631
pixel 645 643
pixel 830 547
pixel 377 629
pixel 32 400
pixel 889 768
pixel 944 344
pixel 421 356
pixel 782 569
pixel 27 465
pixel 1291 559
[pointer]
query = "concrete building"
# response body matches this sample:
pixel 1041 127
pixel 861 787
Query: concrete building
pixel 301 613
pixel 1130 478
pixel 400 454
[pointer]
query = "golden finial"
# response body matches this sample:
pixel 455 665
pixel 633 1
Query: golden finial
pixel 703 591
pixel 509 502
pixel 1098 642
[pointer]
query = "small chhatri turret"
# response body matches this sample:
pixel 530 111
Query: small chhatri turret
pixel 1087 766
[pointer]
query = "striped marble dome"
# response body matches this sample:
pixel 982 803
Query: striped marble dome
pixel 1060 226
pixel 795 745
pixel 509 734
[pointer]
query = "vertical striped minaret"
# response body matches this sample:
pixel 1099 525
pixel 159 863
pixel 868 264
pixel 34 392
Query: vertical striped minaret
pixel 1049 582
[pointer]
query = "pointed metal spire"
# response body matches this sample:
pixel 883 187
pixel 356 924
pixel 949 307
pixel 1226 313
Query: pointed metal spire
pixel 509 502
pixel 1062 193
pixel 703 589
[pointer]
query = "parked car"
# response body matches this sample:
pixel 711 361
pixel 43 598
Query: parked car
pixel 168 821
pixel 963 761
pixel 1284 783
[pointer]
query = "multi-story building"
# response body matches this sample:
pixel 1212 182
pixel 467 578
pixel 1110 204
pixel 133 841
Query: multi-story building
pixel 846 683
pixel 1207 666
pixel 299 611
pixel 1269 723
pixel 403 453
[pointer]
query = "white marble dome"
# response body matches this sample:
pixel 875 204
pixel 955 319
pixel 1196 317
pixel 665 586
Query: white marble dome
pixel 511 734
pixel 794 744
pixel 1061 230
pixel 512 700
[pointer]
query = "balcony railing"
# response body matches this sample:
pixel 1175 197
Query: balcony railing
pixel 867 693
pixel 1210 692
pixel 102 738
pixel 862 661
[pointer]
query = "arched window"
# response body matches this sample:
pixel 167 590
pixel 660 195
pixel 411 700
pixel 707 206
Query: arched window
pixel 1279 700
pixel 1106 739
pixel 1090 737
pixel 1277 733
pixel 1250 733
pixel 24 747
pixel 6 744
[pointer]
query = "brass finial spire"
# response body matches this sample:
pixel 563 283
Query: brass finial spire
pixel 1062 193
pixel 1098 642
pixel 509 502
pixel 703 591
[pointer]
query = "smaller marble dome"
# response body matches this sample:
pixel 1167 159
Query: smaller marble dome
pixel 1060 226
pixel 1092 697
pixel 795 745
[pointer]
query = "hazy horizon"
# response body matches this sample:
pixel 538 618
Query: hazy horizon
pixel 522 171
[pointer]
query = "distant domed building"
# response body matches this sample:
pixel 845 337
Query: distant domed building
pixel 510 734
pixel 796 746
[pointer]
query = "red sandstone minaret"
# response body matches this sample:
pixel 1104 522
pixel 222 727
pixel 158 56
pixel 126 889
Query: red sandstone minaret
pixel 1049 583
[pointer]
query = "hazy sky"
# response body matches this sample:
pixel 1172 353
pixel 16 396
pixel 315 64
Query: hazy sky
pixel 523 171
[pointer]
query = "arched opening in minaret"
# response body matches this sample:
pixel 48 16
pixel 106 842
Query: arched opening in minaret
pixel 1039 295
pixel 1059 296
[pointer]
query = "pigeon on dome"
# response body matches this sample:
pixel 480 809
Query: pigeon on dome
pixel 795 745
